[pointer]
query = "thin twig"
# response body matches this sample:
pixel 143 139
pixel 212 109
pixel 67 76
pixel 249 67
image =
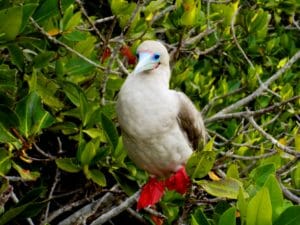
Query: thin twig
pixel 88 208
pixel 272 139
pixel 55 41
pixel 49 156
pixel 105 19
pixel 288 194
pixel 101 37
pixel 16 200
pixel 116 210
pixel 55 182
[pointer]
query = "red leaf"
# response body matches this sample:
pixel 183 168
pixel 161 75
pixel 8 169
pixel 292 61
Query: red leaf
pixel 106 53
pixel 157 220
pixel 179 181
pixel 125 51
pixel 151 193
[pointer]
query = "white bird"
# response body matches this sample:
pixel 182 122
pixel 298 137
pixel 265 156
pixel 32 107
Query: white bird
pixel 160 127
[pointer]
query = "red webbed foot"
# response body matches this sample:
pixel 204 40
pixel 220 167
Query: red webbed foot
pixel 151 193
pixel 179 181
pixel 154 189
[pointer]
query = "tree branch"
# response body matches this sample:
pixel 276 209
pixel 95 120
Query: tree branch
pixel 272 139
pixel 259 90
pixel 116 210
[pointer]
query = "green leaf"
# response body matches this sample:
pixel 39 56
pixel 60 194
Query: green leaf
pixel 276 196
pixel 199 218
pixel 33 118
pixel 242 206
pixel 13 20
pixel 26 175
pixel 260 174
pixel 227 188
pixel 16 55
pixel 110 130
pixel 43 59
pixel 13 213
pixel 73 92
pixel 97 176
pixel 28 10
pixel 68 164
pixel 200 163
pixel 88 153
pixel 8 117
pixel 5 162
pixel 296 176
pixel 49 8
pixel 287 91
pixel 8 80
pixel 233 171
pixel 291 216
pixel 228 217
pixel 45 88
pixel 259 210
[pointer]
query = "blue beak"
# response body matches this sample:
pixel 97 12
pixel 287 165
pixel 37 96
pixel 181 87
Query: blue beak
pixel 145 63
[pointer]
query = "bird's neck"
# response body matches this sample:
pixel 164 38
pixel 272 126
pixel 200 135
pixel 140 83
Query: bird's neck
pixel 159 76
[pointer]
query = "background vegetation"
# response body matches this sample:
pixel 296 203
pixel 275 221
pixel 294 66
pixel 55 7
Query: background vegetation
pixel 62 64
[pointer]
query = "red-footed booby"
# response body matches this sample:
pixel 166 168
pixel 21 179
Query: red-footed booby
pixel 160 127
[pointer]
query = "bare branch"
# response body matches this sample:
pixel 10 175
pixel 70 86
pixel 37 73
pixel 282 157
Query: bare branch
pixel 272 139
pixel 288 194
pixel 260 89
pixel 245 114
pixel 56 180
pixel 55 41
pixel 88 208
pixel 116 210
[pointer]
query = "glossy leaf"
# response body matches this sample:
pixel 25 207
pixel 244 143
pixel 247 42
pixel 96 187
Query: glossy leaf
pixel 13 20
pixel 227 188
pixel 88 153
pixel 68 164
pixel 276 196
pixel 199 218
pixel 291 216
pixel 228 217
pixel 110 131
pixel 33 118
pixel 97 176
pixel 259 210
pixel 5 162
pixel 261 173
pixel 200 163
pixel 26 175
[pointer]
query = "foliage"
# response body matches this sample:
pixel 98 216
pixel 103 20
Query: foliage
pixel 62 64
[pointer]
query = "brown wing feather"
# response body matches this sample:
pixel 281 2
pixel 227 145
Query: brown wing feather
pixel 190 121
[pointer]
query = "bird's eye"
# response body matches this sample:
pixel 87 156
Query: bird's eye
pixel 137 55
pixel 156 56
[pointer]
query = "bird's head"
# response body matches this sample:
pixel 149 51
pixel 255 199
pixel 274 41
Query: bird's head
pixel 151 55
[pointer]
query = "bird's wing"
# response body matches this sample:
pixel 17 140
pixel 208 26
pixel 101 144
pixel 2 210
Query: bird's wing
pixel 190 120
